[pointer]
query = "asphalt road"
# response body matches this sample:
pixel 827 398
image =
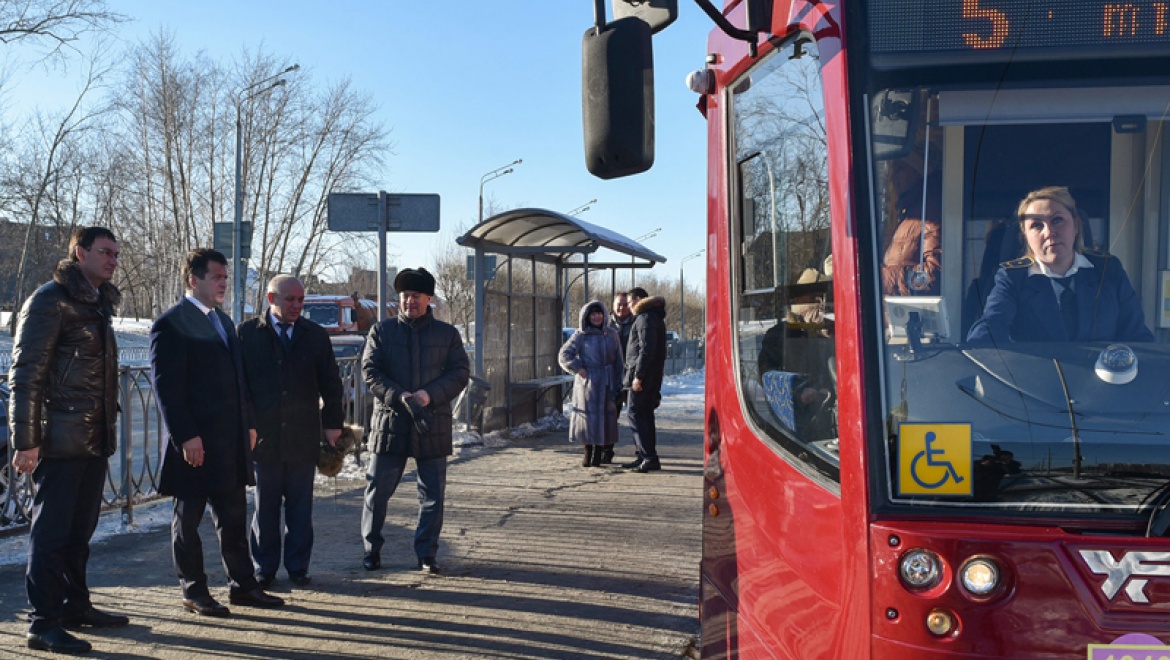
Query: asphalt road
pixel 543 559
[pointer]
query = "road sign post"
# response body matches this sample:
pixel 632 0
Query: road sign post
pixel 383 212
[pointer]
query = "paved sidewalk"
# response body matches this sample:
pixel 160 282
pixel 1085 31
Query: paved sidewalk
pixel 543 559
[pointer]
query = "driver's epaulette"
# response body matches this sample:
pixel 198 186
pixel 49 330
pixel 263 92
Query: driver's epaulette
pixel 1022 262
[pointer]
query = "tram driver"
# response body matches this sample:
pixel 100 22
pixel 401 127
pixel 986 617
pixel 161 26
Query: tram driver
pixel 1057 291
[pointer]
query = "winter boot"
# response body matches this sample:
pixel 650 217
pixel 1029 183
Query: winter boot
pixel 588 456
pixel 607 454
pixel 597 452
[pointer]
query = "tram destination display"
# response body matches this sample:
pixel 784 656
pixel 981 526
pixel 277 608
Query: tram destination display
pixel 933 32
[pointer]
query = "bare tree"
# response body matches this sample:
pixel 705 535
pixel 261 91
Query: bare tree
pixel 452 283
pixel 53 24
pixel 45 183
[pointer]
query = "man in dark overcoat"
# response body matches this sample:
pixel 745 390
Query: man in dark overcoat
pixel 415 366
pixel 63 412
pixel 198 372
pixel 645 365
pixel 296 399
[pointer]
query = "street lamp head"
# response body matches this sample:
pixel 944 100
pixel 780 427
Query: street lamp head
pixel 294 67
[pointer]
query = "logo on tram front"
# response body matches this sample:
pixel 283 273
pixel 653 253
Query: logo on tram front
pixel 934 459
pixel 1129 572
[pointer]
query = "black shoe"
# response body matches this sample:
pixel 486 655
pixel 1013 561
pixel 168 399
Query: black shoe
pixel 632 465
pixel 94 619
pixel 57 640
pixel 264 580
pixel 256 598
pixel 648 466
pixel 207 606
pixel 372 561
pixel 429 565
pixel 300 578
pixel 588 460
pixel 607 454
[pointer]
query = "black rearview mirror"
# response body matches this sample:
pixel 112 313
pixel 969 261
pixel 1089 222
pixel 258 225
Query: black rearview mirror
pixel 617 98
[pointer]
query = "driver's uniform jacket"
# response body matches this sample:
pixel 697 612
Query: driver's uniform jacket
pixel 64 375
pixel 1024 307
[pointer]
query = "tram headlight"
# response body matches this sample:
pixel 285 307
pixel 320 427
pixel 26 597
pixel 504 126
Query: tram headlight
pixel 920 569
pixel 980 576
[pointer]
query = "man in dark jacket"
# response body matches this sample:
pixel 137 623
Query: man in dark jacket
pixel 62 413
pixel 207 434
pixel 621 320
pixel 291 369
pixel 645 363
pixel 415 366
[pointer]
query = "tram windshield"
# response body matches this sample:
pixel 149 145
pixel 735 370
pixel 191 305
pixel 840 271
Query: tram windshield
pixel 1023 294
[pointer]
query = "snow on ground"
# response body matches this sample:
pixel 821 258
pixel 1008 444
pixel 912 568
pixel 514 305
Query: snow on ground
pixel 682 399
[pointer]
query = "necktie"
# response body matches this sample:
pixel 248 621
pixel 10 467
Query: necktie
pixel 1068 307
pixel 218 325
pixel 285 337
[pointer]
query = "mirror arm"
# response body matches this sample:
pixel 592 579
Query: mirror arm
pixel 599 14
pixel 728 29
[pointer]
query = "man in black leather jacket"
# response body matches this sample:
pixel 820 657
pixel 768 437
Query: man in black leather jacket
pixel 62 414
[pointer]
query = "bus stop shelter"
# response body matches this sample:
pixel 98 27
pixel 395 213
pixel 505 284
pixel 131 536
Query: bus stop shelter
pixel 519 303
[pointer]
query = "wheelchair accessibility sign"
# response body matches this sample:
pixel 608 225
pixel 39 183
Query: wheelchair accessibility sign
pixel 934 459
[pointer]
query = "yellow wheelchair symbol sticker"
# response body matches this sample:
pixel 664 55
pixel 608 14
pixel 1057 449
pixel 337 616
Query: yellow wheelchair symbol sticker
pixel 934 459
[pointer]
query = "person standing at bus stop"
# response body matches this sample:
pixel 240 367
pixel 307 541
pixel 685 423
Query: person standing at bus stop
pixel 621 320
pixel 415 366
pixel 645 364
pixel 62 414
pixel 296 397
pixel 593 355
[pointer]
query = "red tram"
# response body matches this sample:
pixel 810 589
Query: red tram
pixel 879 483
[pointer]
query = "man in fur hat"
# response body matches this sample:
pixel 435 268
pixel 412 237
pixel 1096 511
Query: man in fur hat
pixel 415 366
pixel 65 348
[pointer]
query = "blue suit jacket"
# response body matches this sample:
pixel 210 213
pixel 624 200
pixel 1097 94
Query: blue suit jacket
pixel 1024 308
pixel 200 389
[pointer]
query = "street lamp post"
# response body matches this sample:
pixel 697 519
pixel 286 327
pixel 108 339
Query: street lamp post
pixel 682 295
pixel 639 240
pixel 494 174
pixel 239 270
pixel 479 266
pixel 583 208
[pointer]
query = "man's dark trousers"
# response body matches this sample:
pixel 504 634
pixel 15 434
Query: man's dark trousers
pixel 641 416
pixel 229 512
pixel 287 483
pixel 383 475
pixel 65 514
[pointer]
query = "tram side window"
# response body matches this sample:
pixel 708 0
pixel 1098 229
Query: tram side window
pixel 784 287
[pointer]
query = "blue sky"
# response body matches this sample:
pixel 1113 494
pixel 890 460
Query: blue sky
pixel 467 86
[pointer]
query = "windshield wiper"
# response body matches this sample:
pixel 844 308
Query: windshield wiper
pixel 1072 420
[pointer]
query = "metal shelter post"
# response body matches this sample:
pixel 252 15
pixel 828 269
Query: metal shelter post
pixel 480 298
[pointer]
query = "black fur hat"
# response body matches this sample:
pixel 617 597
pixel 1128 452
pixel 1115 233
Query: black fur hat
pixel 415 279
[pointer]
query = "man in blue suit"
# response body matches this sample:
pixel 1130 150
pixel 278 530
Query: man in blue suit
pixel 207 433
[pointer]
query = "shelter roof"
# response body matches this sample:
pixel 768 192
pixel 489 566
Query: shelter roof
pixel 548 236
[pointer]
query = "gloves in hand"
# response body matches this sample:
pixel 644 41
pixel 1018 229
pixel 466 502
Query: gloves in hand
pixel 423 420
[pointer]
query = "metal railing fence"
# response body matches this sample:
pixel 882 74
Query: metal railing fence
pixel 134 470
